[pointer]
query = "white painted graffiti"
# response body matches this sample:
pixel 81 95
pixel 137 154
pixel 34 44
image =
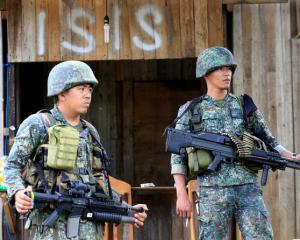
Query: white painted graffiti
pixel 77 13
pixel 148 9
pixel 41 33
pixel 89 44
pixel 117 29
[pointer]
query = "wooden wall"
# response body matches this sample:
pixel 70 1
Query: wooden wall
pixel 55 30
pixel 268 70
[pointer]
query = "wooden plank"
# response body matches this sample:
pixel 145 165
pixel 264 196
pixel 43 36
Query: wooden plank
pixel 14 23
pixel 79 42
pixel 238 77
pixel 160 218
pixel 89 26
pixel 28 43
pixel 113 52
pixel 215 28
pixel 65 32
pixel 128 154
pixel 187 28
pixel 285 118
pixel 124 44
pixel 160 26
pixel 41 9
pixel 4 15
pixel 257 59
pixel 173 25
pixel 135 31
pixel 296 111
pixel 3 5
pixel 101 47
pixel 252 1
pixel 285 126
pixel 297 18
pixel 145 19
pixel 271 191
pixel 246 45
pixel 52 32
pixel 201 25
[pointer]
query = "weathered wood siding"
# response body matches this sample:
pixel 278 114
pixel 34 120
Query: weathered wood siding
pixel 54 30
pixel 262 47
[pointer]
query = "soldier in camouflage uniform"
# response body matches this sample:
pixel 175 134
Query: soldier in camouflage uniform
pixel 71 83
pixel 233 188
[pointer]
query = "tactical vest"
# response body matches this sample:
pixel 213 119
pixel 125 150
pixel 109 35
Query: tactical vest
pixel 199 159
pixel 55 160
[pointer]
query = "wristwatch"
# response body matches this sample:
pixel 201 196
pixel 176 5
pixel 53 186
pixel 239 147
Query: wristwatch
pixel 294 156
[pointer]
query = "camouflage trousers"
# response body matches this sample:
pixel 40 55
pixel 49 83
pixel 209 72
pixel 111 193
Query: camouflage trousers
pixel 245 202
pixel 87 230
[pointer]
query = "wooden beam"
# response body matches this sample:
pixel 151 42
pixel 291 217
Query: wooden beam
pixel 2 5
pixel 252 1
pixel 3 14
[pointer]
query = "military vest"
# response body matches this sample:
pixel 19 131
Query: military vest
pixel 55 164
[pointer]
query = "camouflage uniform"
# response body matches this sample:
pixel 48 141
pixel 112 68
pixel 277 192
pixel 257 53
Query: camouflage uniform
pixel 30 136
pixel 233 189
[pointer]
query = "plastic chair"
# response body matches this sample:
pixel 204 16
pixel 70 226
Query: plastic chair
pixel 192 193
pixel 122 231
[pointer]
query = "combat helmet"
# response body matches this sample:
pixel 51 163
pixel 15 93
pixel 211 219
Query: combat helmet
pixel 213 58
pixel 68 74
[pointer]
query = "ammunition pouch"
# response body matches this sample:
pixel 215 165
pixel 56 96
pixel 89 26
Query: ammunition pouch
pixel 62 147
pixel 253 166
pixel 198 161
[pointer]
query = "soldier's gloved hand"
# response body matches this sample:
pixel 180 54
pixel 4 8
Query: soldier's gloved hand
pixel 23 203
pixel 140 217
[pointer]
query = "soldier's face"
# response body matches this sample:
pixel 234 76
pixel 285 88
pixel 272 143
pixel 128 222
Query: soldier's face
pixel 78 98
pixel 219 79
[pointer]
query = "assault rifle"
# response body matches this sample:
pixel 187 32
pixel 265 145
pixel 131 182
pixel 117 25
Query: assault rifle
pixel 222 148
pixel 99 208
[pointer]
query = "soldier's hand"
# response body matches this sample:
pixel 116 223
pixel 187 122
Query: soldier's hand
pixel 289 154
pixel 140 217
pixel 22 201
pixel 183 206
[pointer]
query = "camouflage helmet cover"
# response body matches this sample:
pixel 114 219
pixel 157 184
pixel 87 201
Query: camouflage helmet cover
pixel 68 74
pixel 213 58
